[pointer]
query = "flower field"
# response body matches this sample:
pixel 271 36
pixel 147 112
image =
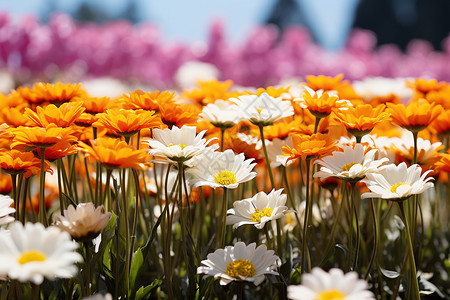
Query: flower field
pixel 316 187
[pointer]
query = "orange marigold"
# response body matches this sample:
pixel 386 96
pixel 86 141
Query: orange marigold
pixel 17 162
pixel 320 104
pixel 96 105
pixel 416 116
pixel 15 117
pixel 146 100
pixel 326 83
pixel 32 137
pixel 127 122
pixel 310 146
pixel 62 116
pixel 57 151
pixel 362 118
pixel 423 86
pixel 113 154
pixel 58 92
pixel 210 91
pixel 441 125
pixel 178 114
pixel 275 92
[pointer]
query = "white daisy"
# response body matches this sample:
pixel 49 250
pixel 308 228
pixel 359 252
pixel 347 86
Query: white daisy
pixel 83 223
pixel 397 182
pixel 263 110
pixel 177 144
pixel 32 252
pixel 222 114
pixel 276 156
pixel 6 209
pixel 221 169
pixel 372 87
pixel 240 262
pixel 258 210
pixel 330 285
pixel 351 164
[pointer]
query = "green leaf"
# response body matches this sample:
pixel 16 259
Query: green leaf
pixel 144 293
pixel 136 265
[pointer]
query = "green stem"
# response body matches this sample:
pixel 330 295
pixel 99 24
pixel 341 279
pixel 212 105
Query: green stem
pixel 411 252
pixel 306 220
pixel 127 232
pixel 222 134
pixel 60 196
pixel 375 240
pixel 316 125
pixel 261 132
pixel 223 223
pixel 88 267
pixel 355 210
pixel 14 186
pixel 42 214
pixel 24 201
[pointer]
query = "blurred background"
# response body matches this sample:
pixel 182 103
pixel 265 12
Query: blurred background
pixel 329 21
pixel 252 42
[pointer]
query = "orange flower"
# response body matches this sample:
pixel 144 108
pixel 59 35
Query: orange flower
pixel 62 116
pixel 275 92
pixel 441 125
pixel 416 116
pixel 441 97
pixel 320 104
pixel 423 86
pixel 443 164
pixel 178 115
pixel 17 162
pixel 59 150
pixel 390 98
pixel 310 146
pixel 210 91
pixel 127 122
pixel 58 92
pixel 146 100
pixel 32 137
pixel 28 94
pixel 85 120
pixel 361 118
pixel 113 153
pixel 14 116
pixel 51 194
pixel 326 83
pixel 234 142
pixel 96 105
pixel 5 184
pixel 279 130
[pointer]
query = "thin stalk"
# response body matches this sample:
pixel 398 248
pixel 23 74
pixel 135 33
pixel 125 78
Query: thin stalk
pixel 136 209
pixel 355 210
pixel 290 197
pixel 306 220
pixel 166 243
pixel 223 225
pixel 42 215
pixel 375 239
pixel 91 193
pixel 35 290
pixel 411 252
pixel 88 267
pixel 316 125
pixel 261 132
pixel 60 196
pixel 14 186
pixel 222 134
pixel 127 232
pixel 24 200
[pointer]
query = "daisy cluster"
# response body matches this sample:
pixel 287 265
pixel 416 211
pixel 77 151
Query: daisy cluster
pixel 62 47
pixel 320 189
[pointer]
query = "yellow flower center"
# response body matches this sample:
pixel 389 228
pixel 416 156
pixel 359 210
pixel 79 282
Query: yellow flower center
pixel 347 167
pixel 395 186
pixel 258 214
pixel 259 110
pixel 240 267
pixel 330 295
pixel 30 256
pixel 225 178
pixel 181 145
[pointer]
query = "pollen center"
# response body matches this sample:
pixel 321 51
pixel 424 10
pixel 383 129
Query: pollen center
pixel 395 186
pixel 258 214
pixel 259 110
pixel 181 145
pixel 225 178
pixel 240 267
pixel 346 167
pixel 330 295
pixel 30 256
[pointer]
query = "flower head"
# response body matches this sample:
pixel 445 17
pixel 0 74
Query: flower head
pixel 18 162
pixel 58 92
pixel 222 114
pixel 416 116
pixel 113 153
pixel 258 210
pixel 6 209
pixel 62 116
pixel 332 285
pixel 222 169
pixel 240 263
pixel 352 164
pixel 263 110
pixel 83 223
pixel 361 118
pixel 31 252
pixel 310 146
pixel 320 103
pixel 40 137
pixel 147 100
pixel 397 183
pixel 177 144
pixel 127 122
